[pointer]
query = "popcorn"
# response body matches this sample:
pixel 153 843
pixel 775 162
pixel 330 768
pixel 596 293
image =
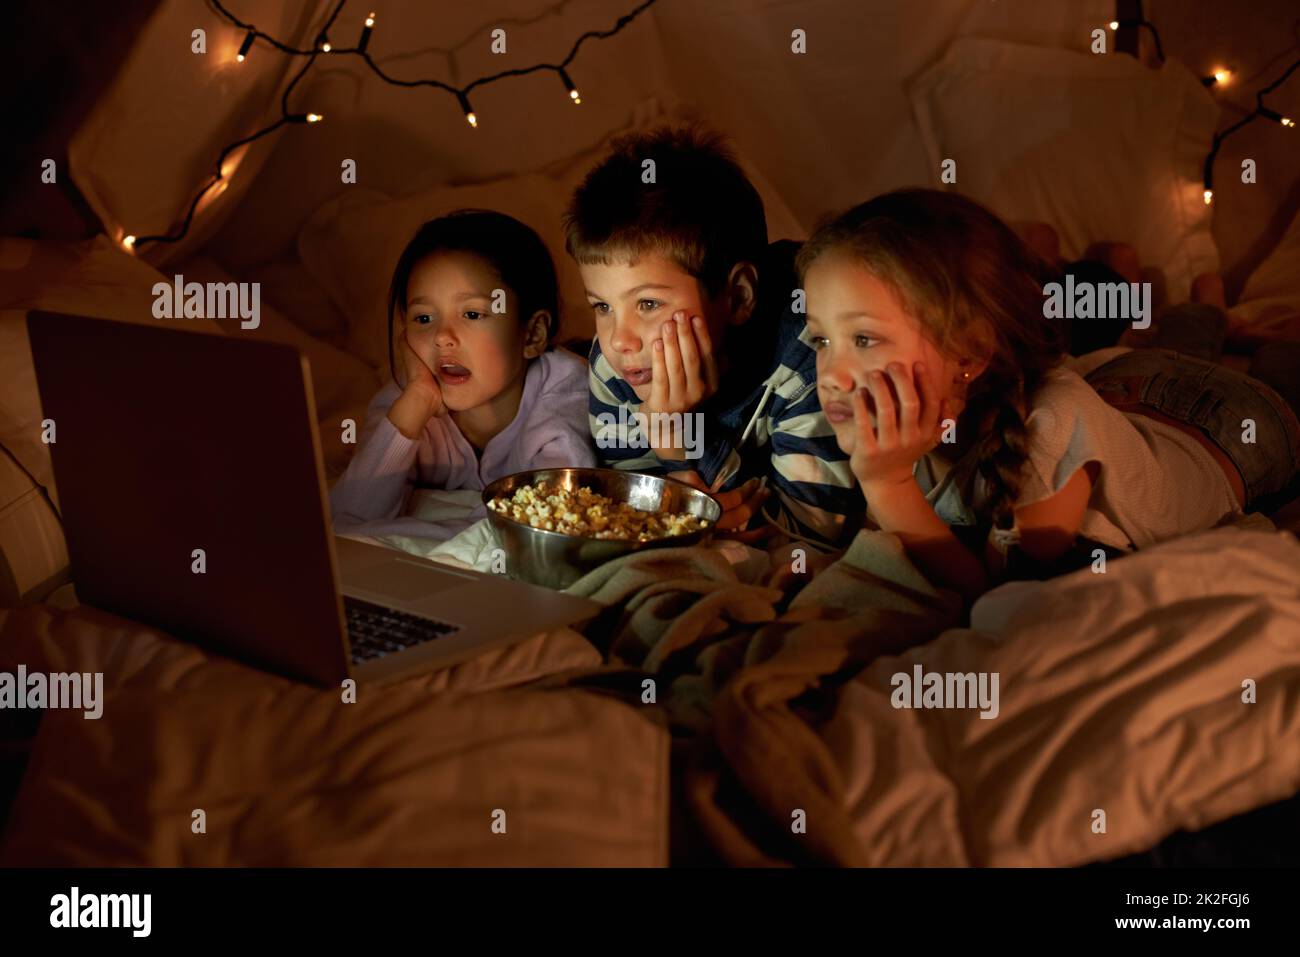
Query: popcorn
pixel 587 513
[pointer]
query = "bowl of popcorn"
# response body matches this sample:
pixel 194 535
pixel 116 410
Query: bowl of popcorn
pixel 555 525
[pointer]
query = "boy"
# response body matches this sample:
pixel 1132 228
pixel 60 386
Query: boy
pixel 701 369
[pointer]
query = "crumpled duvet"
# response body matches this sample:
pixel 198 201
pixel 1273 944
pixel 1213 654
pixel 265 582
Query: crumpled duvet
pixel 199 760
pixel 1159 695
pixel 1156 696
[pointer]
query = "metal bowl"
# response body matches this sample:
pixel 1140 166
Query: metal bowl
pixel 557 560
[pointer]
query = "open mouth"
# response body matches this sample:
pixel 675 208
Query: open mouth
pixel 637 376
pixel 450 373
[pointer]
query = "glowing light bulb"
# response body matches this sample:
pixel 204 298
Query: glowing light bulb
pixel 370 20
pixel 245 47
pixel 1275 116
pixel 1209 197
pixel 128 242
pixel 1114 24
pixel 314 117
pixel 326 46
pixel 365 33
pixel 568 85
pixel 470 118
pixel 1222 76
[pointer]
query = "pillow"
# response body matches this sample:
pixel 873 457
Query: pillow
pixel 1270 301
pixel 290 288
pixel 90 278
pixel 1100 147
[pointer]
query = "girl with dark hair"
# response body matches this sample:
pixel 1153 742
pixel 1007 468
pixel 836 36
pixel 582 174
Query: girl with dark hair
pixel 946 384
pixel 477 390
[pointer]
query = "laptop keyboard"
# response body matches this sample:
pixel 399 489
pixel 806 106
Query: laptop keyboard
pixel 376 631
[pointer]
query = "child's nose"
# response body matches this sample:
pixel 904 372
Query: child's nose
pixel 625 338
pixel 838 373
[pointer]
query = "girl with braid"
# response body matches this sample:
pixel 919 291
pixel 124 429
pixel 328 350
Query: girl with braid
pixel 971 434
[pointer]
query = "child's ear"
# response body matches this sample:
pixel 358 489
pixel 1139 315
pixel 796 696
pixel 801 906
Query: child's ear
pixel 979 355
pixel 741 293
pixel 972 368
pixel 535 336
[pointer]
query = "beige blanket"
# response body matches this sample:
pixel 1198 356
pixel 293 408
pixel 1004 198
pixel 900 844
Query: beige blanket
pixel 1162 694
pixel 1158 695
pixel 466 766
pixel 734 661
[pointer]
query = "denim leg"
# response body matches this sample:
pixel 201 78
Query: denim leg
pixel 1219 401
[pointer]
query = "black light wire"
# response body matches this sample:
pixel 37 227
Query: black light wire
pixel 286 116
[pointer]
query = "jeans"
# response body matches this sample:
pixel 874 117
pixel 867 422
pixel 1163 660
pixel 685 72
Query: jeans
pixel 1220 402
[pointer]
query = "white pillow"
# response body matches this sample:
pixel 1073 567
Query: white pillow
pixel 289 287
pixel 1271 299
pixel 1099 146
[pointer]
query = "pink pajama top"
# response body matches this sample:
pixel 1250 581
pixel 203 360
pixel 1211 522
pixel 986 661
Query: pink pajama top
pixel 550 430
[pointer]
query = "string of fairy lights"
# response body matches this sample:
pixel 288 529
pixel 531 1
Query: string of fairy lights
pixel 1260 111
pixel 323 46
pixel 1219 78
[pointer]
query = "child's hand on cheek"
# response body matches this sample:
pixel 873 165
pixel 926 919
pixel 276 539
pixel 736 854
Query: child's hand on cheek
pixel 908 413
pixel 684 374
pixel 421 397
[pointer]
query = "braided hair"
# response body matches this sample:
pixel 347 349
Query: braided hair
pixel 977 292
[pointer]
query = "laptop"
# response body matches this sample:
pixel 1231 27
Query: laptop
pixel 193 498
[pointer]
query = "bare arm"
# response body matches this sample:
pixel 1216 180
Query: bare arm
pixel 901 509
pixel 1048 528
